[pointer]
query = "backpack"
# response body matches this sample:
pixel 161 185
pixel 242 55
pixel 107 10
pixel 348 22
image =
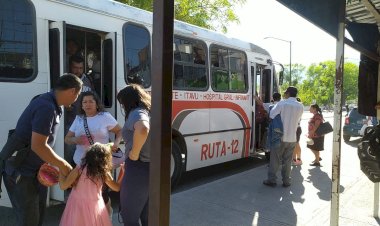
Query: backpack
pixel 369 153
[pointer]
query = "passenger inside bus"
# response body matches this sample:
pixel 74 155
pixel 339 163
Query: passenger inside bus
pixel 77 68
pixel 198 56
pixel 72 48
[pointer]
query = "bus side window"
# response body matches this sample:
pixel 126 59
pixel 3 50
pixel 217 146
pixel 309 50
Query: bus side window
pixel 18 59
pixel 137 67
pixel 189 64
pixel 231 73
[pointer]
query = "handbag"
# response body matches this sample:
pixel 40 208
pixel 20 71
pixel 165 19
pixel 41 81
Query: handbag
pixel 118 156
pixel 323 129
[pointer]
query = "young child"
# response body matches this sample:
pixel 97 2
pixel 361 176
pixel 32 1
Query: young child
pixel 85 205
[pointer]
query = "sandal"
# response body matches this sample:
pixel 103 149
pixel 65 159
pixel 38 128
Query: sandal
pixel 320 159
pixel 315 164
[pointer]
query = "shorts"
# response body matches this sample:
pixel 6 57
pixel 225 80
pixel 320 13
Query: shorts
pixel 298 134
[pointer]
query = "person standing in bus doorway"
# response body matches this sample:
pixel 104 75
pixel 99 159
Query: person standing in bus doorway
pixel 134 190
pixel 261 123
pixel 37 129
pixel 76 68
pixel 290 111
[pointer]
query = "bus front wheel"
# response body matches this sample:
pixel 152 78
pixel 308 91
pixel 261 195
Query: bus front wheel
pixel 175 163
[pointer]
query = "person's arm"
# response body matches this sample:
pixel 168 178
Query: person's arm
pixel 275 110
pixel 317 122
pixel 70 138
pixel 117 131
pixel 40 146
pixel 140 134
pixel 115 186
pixel 66 182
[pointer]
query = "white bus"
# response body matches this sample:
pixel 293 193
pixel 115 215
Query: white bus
pixel 215 77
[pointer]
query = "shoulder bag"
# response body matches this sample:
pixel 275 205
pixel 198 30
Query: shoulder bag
pixel 323 129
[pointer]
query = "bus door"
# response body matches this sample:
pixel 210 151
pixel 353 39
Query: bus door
pixel 253 94
pixel 261 83
pixel 97 49
pixel 57 31
pixel 107 84
pixel 266 85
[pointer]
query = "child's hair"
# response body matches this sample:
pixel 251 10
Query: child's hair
pixel 98 161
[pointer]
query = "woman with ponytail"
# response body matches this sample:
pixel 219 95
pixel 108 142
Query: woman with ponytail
pixel 317 142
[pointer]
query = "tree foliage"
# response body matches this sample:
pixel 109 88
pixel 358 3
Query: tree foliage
pixel 210 14
pixel 298 71
pixel 318 85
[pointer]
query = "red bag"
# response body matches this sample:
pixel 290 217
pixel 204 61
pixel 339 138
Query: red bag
pixel 48 175
pixel 261 114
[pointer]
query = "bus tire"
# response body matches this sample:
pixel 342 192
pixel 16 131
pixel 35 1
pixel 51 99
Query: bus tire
pixel 175 163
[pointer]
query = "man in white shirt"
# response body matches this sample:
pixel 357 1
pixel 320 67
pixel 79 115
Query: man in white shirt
pixel 291 111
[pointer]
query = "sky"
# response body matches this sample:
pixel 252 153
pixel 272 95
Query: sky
pixel 268 18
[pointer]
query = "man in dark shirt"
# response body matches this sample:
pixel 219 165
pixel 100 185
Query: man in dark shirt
pixel 37 128
pixel 77 68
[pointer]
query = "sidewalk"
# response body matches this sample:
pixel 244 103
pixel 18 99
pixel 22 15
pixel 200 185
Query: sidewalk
pixel 242 199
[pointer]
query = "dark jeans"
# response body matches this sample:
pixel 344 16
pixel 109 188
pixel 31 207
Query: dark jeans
pixel 134 193
pixel 28 198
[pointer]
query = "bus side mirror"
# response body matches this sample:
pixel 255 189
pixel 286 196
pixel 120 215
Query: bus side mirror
pixel 281 77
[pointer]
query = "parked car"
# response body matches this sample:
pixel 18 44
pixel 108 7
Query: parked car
pixel 353 123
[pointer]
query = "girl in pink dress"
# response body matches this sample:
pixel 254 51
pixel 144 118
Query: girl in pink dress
pixel 85 205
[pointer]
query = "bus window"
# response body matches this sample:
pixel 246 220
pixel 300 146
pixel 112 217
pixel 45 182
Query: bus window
pixel 275 82
pixel 18 58
pixel 108 75
pixel 258 80
pixel 137 55
pixel 238 71
pixel 266 86
pixel 229 69
pixel 54 54
pixel 189 64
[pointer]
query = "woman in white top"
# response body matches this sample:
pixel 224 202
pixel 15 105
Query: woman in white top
pixel 99 123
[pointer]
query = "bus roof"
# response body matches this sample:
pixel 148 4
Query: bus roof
pixel 129 13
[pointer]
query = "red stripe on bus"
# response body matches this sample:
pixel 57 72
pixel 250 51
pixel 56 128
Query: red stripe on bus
pixel 180 105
